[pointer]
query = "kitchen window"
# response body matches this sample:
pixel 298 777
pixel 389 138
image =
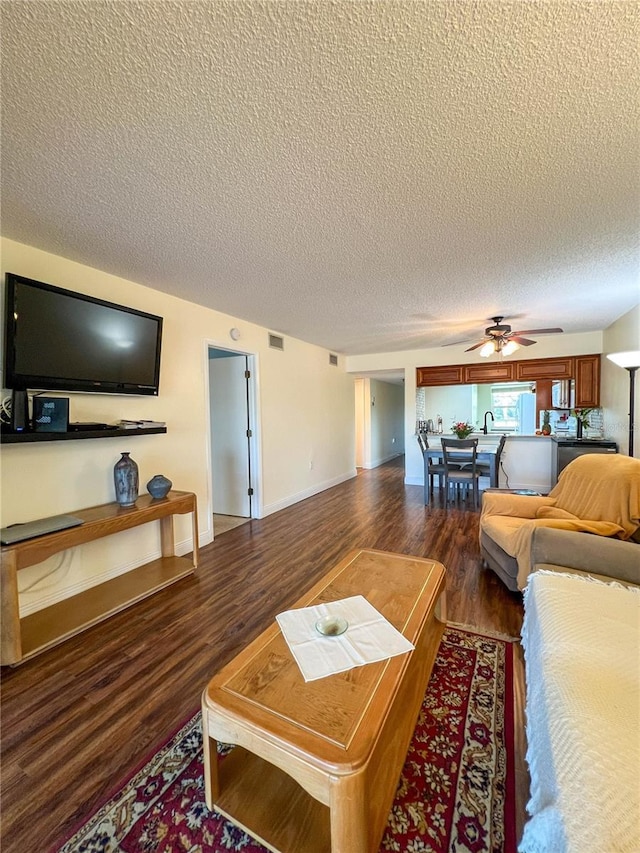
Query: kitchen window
pixel 506 407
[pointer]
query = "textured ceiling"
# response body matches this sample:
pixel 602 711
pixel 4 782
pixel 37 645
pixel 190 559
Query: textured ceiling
pixel 367 176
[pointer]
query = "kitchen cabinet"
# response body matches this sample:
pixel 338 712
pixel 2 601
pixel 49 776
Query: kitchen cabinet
pixel 587 375
pixel 563 393
pixel 583 369
pixel 502 371
pixel 544 399
pixel 544 368
pixel 447 375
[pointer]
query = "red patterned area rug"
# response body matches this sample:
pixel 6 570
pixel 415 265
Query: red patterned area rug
pixel 456 792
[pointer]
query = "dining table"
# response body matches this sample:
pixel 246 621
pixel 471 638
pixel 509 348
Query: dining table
pixel 486 453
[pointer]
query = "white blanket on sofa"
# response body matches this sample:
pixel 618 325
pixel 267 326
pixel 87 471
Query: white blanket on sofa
pixel 581 640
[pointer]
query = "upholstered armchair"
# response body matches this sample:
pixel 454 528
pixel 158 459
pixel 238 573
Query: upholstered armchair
pixel 596 493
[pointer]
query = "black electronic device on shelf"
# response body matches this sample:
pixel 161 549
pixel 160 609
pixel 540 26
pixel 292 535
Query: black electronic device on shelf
pixel 83 426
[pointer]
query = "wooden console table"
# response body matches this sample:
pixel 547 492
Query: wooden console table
pixel 23 638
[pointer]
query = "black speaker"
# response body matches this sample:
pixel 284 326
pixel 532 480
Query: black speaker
pixel 19 411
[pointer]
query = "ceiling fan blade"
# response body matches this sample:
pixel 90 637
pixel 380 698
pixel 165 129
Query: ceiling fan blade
pixel 523 342
pixel 475 346
pixel 458 343
pixel 538 332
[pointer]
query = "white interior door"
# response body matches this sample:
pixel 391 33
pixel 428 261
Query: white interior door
pixel 360 404
pixel 230 460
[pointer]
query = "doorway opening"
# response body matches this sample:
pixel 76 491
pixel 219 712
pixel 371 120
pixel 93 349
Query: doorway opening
pixel 379 418
pixel 232 435
pixel 224 523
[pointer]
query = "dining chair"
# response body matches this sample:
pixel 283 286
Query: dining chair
pixel 484 469
pixel 432 468
pixel 459 457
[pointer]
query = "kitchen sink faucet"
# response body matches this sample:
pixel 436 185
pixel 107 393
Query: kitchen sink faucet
pixel 484 428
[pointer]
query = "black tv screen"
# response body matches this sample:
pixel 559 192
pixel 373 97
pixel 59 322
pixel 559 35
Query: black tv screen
pixel 58 340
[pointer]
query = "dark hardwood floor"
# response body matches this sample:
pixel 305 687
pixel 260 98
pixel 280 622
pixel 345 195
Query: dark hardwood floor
pixel 77 719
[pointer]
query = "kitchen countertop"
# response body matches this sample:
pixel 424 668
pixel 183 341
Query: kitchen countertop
pixel 516 436
pixel 521 467
pixel 496 436
pixel 584 440
pixel 554 437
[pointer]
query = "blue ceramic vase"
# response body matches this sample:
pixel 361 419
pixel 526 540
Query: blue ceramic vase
pixel 125 477
pixel 159 486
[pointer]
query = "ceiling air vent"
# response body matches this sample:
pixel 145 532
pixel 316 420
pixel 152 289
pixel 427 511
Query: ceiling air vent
pixel 333 359
pixel 276 342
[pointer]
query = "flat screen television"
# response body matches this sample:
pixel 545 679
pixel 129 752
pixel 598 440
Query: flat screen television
pixel 58 340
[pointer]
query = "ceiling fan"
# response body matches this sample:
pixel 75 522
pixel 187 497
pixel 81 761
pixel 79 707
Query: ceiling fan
pixel 499 338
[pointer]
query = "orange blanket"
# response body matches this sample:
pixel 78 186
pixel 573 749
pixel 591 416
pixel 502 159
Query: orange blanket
pixel 598 487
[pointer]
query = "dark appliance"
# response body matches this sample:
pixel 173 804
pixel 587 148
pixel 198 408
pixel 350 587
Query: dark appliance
pixel 50 414
pixel 58 340
pixel 568 449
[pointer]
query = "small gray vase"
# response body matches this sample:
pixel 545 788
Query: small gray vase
pixel 159 486
pixel 125 477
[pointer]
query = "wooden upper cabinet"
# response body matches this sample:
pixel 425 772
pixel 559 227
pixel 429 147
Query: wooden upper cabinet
pixel 585 369
pixel 587 377
pixel 452 374
pixel 544 368
pixel 544 399
pixel 501 371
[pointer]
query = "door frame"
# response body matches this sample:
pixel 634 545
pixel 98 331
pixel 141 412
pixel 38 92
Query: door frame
pixel 254 443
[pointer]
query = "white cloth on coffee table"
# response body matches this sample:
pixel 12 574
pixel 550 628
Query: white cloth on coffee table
pixel 369 637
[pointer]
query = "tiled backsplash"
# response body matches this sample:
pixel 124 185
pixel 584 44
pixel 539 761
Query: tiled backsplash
pixel 563 423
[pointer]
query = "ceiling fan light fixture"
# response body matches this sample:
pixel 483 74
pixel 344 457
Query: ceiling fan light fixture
pixel 509 348
pixel 500 339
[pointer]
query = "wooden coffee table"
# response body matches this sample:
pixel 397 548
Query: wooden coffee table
pixel 316 765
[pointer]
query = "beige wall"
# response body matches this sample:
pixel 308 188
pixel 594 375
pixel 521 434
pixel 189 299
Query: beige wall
pixel 621 336
pixel 305 416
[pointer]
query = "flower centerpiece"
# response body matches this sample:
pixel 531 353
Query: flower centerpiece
pixel 582 415
pixel 582 420
pixel 462 429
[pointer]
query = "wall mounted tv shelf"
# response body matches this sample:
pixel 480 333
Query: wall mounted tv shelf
pixel 21 638
pixel 23 437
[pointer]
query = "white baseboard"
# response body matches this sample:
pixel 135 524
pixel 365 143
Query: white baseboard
pixel 307 493
pixel 543 488
pixel 375 463
pixel 414 481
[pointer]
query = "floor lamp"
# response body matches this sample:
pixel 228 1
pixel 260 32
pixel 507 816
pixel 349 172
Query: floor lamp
pixel 630 361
